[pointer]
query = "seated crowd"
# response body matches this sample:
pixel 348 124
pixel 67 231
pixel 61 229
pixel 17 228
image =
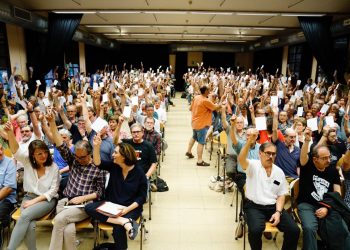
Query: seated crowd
pixel 280 130
pixel 60 145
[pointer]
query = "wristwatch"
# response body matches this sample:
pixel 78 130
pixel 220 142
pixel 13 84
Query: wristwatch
pixel 279 212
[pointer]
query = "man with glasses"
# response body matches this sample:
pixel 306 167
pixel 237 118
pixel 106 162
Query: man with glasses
pixel 265 196
pixel 317 177
pixel 145 152
pixel 85 184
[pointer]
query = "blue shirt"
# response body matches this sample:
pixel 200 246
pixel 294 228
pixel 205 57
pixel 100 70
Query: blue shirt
pixel 57 158
pixel 287 161
pixel 8 177
pixel 253 153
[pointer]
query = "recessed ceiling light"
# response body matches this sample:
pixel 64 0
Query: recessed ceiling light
pixel 74 12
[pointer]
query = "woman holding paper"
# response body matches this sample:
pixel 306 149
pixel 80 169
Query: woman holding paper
pixel 41 182
pixel 127 187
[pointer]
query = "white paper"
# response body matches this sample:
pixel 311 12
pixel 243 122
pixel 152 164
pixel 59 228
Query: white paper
pixel 38 83
pixel 274 101
pixel 118 85
pixel 317 90
pixel 260 123
pixel 298 82
pixel 135 100
pixel 55 82
pixel 293 98
pixel 312 124
pixel 70 98
pixel 127 111
pixel 324 108
pixel 105 98
pixel 72 205
pixel 313 85
pixel 329 120
pixel 300 111
pixel 280 94
pixel 111 208
pixel 299 93
pixel 62 100
pixel 112 87
pixel 99 124
pixel 102 84
pixel 332 99
pixel 95 86
pixel 46 102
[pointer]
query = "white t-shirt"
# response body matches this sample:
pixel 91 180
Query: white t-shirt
pixel 161 114
pixel 260 188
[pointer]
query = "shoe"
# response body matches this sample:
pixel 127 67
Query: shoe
pixel 203 164
pixel 268 235
pixel 189 155
pixel 132 233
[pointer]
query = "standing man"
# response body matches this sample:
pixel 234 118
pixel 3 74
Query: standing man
pixel 266 188
pixel 202 109
pixel 8 187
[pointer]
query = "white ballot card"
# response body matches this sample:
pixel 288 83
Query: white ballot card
pixel 274 101
pixel 95 86
pixel 38 83
pixel 260 123
pixel 99 124
pixel 105 98
pixel 46 102
pixel 300 111
pixel 280 94
pixel 324 108
pixel 329 120
pixel 127 111
pixel 135 100
pixel 312 124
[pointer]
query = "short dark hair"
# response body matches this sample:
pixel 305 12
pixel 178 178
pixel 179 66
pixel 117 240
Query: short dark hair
pixel 266 145
pixel 39 144
pixel 128 152
pixel 149 105
pixel 203 89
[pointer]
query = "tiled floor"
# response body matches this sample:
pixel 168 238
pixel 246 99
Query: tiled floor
pixel 189 216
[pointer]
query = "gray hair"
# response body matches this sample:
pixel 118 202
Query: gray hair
pixel 82 144
pixel 65 132
pixel 136 125
pixel 288 131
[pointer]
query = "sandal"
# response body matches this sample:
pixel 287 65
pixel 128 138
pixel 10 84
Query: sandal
pixel 132 233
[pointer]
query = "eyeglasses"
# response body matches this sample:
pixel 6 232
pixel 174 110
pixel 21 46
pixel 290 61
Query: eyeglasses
pixel 80 157
pixel 270 154
pixel 25 131
pixel 136 132
pixel 324 158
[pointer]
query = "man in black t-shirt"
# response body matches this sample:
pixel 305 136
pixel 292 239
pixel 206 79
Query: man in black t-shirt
pixel 317 177
pixel 145 152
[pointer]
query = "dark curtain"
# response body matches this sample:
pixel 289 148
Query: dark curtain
pixel 61 30
pixel 271 59
pixel 318 35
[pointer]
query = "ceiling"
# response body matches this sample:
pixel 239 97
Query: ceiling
pixel 167 21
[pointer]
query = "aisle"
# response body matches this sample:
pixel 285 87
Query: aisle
pixel 189 215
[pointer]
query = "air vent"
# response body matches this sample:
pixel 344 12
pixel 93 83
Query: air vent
pixel 273 41
pixel 346 22
pixel 22 14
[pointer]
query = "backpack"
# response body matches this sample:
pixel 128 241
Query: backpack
pixel 161 185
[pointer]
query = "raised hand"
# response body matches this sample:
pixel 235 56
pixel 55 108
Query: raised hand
pixel 97 140
pixel 307 134
pixel 8 126
pixel 50 116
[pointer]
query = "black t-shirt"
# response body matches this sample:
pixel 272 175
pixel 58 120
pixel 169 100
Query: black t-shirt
pixel 314 183
pixel 76 136
pixel 337 150
pixel 145 153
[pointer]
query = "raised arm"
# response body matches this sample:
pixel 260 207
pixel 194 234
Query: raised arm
pixel 233 135
pixel 304 157
pixel 223 117
pixel 243 155
pixel 11 137
pixel 117 130
pixel 85 114
pixel 97 149
pixel 275 124
pixel 56 137
pixel 34 120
